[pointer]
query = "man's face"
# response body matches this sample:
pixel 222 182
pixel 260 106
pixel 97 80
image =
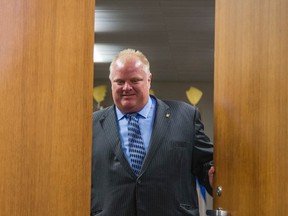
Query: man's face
pixel 130 85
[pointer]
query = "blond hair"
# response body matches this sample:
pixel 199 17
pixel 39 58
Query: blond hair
pixel 127 53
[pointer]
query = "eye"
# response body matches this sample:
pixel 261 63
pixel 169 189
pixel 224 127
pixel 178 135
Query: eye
pixel 119 82
pixel 135 81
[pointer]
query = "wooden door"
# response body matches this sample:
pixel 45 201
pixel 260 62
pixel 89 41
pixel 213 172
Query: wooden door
pixel 251 107
pixel 46 77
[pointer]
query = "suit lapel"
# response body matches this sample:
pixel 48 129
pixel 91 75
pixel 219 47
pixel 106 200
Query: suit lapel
pixel 161 123
pixel 110 127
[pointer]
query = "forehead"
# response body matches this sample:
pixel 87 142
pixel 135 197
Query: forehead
pixel 128 63
pixel 128 67
pixel 128 74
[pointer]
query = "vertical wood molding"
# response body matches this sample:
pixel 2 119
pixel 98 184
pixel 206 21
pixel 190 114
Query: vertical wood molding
pixel 46 82
pixel 250 106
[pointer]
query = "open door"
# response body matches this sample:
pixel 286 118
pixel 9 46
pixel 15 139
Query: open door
pixel 251 108
pixel 46 83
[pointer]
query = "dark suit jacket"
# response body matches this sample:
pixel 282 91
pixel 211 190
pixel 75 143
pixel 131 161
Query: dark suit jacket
pixel 166 186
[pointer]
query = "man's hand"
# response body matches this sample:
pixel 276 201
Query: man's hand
pixel 211 175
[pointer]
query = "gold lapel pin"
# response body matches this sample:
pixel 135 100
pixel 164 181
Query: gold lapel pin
pixel 167 115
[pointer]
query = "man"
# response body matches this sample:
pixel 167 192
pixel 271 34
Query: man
pixel 146 166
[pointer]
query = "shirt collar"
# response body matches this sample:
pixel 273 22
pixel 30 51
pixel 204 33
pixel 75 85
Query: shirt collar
pixel 143 112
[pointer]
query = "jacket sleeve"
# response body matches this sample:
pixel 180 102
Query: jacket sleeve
pixel 202 153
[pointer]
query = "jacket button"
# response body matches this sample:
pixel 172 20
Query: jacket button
pixel 139 181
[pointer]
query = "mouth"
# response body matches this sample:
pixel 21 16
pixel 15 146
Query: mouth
pixel 128 95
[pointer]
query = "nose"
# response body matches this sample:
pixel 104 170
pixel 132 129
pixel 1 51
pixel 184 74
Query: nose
pixel 127 86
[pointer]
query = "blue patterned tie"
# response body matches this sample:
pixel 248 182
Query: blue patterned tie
pixel 136 144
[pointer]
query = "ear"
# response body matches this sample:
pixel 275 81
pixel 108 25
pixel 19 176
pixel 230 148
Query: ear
pixel 150 77
pixel 111 84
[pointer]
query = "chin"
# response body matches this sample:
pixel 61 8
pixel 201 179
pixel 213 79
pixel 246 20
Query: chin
pixel 128 107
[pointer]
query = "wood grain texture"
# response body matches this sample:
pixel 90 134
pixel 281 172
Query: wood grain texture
pixel 46 79
pixel 251 99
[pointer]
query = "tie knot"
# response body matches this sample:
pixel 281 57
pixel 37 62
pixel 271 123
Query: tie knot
pixel 132 116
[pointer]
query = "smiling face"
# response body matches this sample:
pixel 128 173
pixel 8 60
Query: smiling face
pixel 130 84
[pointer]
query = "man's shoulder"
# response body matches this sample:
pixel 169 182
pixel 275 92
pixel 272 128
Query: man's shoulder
pixel 178 104
pixel 180 109
pixel 99 113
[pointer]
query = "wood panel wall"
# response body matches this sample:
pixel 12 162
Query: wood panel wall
pixel 46 77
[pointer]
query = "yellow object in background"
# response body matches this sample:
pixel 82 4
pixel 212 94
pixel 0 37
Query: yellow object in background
pixel 99 93
pixel 194 95
pixel 151 92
